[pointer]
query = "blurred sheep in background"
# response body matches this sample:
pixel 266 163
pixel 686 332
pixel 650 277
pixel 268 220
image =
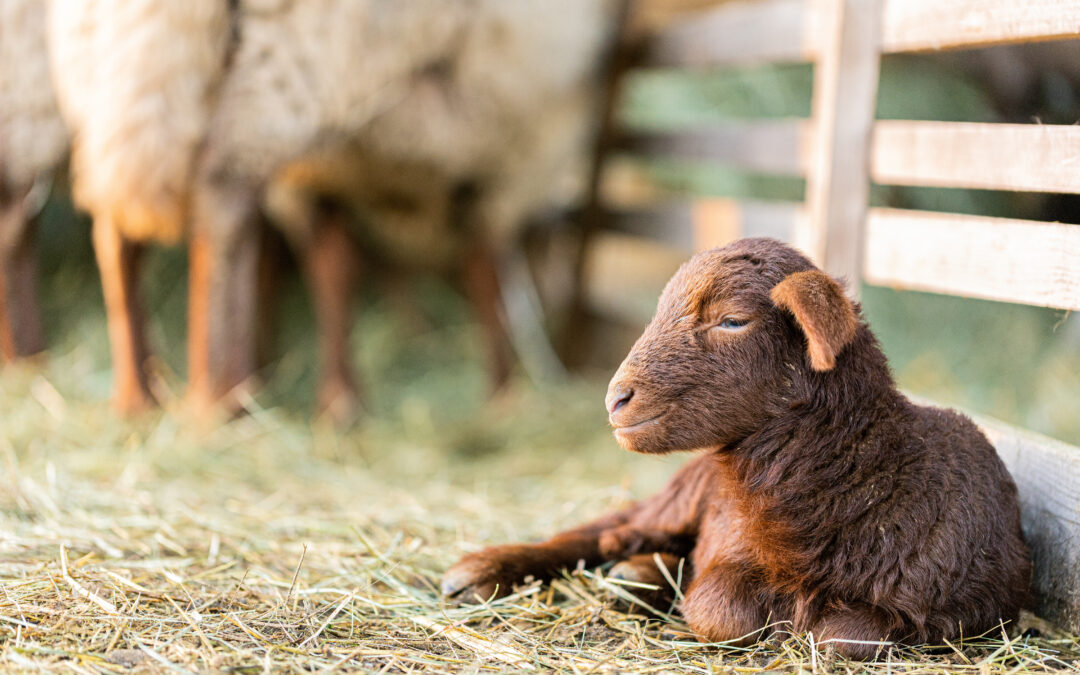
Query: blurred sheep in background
pixel 33 142
pixel 426 134
pixel 183 113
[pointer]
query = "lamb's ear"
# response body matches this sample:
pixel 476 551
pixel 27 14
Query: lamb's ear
pixel 824 313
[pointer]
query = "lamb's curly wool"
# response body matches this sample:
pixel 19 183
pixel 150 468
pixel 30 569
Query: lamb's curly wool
pixel 187 111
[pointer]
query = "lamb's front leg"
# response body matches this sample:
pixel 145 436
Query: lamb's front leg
pixel 665 523
pixel 492 572
pixel 729 601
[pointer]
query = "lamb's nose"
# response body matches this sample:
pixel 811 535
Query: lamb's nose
pixel 617 398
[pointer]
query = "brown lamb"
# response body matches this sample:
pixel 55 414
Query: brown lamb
pixel 822 497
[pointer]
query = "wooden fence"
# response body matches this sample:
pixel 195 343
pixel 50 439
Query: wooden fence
pixel 842 149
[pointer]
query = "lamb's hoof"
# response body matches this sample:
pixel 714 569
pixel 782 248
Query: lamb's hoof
pixel 654 590
pixel 638 572
pixel 473 580
pixel 489 574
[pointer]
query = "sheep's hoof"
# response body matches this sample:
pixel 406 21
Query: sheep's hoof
pixel 340 402
pixel 209 406
pixel 132 403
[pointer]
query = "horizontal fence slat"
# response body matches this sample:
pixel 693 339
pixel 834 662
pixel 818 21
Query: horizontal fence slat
pixel 703 223
pixel 1047 475
pixel 928 25
pixel 771 147
pixel 787 31
pixel 1021 157
pixel 738 33
pixel 1028 262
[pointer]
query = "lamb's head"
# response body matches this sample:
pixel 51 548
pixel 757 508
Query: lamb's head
pixel 733 329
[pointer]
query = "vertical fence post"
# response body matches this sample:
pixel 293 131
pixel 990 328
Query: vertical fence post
pixel 844 102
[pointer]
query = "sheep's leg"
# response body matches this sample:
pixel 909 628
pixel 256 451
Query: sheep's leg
pixel 223 304
pixel 270 263
pixel 729 602
pixel 493 571
pixel 118 259
pixel 331 264
pixel 472 212
pixel 20 319
pixel 483 290
pixel 856 631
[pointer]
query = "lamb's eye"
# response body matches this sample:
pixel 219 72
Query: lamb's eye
pixel 731 323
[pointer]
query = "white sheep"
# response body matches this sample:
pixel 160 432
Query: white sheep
pixel 184 112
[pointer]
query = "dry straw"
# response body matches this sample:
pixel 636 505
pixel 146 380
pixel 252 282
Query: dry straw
pixel 274 545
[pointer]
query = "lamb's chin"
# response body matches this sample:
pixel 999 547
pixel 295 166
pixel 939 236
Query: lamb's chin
pixel 645 442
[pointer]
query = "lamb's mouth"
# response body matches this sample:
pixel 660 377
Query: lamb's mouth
pixel 626 429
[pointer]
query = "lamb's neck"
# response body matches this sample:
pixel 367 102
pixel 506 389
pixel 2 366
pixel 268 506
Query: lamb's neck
pixel 834 426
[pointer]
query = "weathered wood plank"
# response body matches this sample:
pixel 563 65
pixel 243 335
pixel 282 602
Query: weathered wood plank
pixel 780 146
pixel 1022 157
pixel 1047 474
pixel 927 25
pixel 790 30
pixel 991 258
pixel 771 31
pixel 739 33
pixel 845 96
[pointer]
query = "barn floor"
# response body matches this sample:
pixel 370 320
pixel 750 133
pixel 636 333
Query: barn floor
pixel 278 544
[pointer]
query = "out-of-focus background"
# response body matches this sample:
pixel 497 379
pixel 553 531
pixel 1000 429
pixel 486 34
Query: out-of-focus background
pixel 416 345
pixel 433 465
